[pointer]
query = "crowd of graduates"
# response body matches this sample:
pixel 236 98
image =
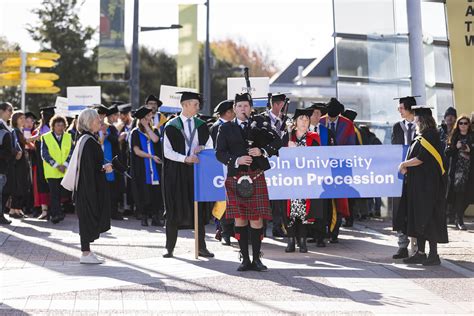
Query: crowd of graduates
pixel 35 155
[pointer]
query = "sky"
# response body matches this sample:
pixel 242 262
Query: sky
pixel 284 29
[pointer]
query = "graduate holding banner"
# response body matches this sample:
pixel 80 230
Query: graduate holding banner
pixel 185 136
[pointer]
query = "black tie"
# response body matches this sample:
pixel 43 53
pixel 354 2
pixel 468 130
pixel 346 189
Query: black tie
pixel 409 133
pixel 243 125
pixel 333 127
pixel 316 129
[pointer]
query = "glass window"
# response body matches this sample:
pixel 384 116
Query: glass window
pixel 440 99
pixel 433 20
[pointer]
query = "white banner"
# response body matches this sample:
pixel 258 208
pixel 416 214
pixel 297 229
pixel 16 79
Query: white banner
pixel 170 98
pixel 61 106
pixel 260 87
pixel 80 98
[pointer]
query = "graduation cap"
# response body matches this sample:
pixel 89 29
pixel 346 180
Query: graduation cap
pixel 422 110
pixel 31 115
pixel 243 97
pixel 113 109
pixel 350 114
pixel 117 102
pixel 318 106
pixel 125 108
pixel 101 109
pixel 408 101
pixel 222 107
pixel 188 95
pixel 48 109
pixel 152 97
pixel 141 112
pixel 299 112
pixel 334 107
pixel 278 97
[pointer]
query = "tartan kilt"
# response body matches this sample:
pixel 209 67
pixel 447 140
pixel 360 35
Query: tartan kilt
pixel 253 208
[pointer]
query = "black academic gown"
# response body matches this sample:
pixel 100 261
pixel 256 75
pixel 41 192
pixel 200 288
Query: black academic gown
pixel 92 196
pixel 421 212
pixel 138 173
pixel 178 178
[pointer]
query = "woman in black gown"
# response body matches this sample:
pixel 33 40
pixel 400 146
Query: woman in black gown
pixel 91 194
pixel 421 213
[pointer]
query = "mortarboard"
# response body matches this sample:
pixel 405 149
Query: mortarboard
pixel 299 112
pixel 318 106
pixel 334 107
pixel 30 115
pixel 113 109
pixel 278 97
pixel 101 109
pixel 152 97
pixel 187 95
pixel 125 108
pixel 350 114
pixel 48 109
pixel 422 110
pixel 141 112
pixel 407 101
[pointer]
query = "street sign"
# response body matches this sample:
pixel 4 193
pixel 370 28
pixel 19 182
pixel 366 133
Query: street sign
pixel 44 55
pixel 16 75
pixel 4 55
pixel 49 90
pixel 16 62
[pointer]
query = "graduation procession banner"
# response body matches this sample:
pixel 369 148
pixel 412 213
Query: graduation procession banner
pixel 314 172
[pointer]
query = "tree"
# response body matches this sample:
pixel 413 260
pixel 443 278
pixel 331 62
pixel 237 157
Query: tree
pixel 59 30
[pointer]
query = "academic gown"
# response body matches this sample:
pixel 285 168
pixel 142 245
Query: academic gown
pixel 18 176
pixel 421 212
pixel 178 178
pixel 92 195
pixel 138 173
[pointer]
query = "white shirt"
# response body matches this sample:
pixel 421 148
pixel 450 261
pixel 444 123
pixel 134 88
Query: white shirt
pixel 315 128
pixel 413 130
pixel 176 156
pixel 274 119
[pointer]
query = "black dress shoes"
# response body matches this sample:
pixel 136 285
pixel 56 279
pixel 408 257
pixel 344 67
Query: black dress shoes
pixel 55 219
pixel 432 260
pixel 257 265
pixel 320 243
pixel 402 253
pixel 291 245
pixel 205 253
pixel 417 258
pixel 303 247
pixel 156 222
pixel 4 221
pixel 168 254
pixel 246 265
pixel 461 226
pixel 144 221
pixel 225 241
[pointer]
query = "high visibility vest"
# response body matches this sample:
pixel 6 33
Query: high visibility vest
pixel 59 154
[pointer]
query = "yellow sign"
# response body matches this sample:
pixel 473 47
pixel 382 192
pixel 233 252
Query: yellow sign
pixel 4 55
pixel 16 75
pixel 50 90
pixel 44 55
pixel 188 54
pixel 30 83
pixel 9 83
pixel 460 15
pixel 16 62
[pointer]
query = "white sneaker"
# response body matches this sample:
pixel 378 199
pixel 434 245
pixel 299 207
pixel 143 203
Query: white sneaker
pixel 90 259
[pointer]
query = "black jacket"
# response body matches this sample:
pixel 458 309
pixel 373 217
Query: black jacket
pixel 6 149
pixel 232 143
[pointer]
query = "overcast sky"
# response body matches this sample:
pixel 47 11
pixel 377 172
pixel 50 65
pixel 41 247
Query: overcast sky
pixel 285 29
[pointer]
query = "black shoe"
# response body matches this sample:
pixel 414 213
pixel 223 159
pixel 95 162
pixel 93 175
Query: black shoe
pixel 321 243
pixel 144 222
pixel 278 233
pixel 4 221
pixel 402 253
pixel 205 253
pixel 55 219
pixel 303 247
pixel 168 254
pixel 334 240
pixel 218 235
pixel 417 258
pixel 257 265
pixel 61 216
pixel 290 247
pixel 15 215
pixel 461 226
pixel 432 260
pixel 117 217
pixel 246 265
pixel 225 241
pixel 156 222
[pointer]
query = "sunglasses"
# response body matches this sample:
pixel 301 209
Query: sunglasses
pixel 463 123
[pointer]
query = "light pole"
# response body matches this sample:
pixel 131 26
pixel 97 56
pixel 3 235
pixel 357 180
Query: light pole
pixel 135 63
pixel 207 68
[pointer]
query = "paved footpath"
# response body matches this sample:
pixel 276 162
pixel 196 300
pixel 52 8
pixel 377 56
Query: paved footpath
pixel 40 275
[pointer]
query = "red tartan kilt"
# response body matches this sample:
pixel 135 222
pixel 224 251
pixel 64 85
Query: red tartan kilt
pixel 342 207
pixel 253 208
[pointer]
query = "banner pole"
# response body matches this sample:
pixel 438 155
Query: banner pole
pixel 196 230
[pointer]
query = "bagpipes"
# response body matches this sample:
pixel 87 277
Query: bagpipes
pixel 260 133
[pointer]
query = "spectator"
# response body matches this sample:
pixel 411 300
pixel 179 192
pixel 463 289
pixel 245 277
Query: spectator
pixel 460 152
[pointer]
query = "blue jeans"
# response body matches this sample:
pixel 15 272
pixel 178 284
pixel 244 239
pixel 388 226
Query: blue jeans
pixel 3 181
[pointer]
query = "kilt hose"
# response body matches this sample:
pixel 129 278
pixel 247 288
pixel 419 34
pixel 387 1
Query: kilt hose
pixel 252 208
